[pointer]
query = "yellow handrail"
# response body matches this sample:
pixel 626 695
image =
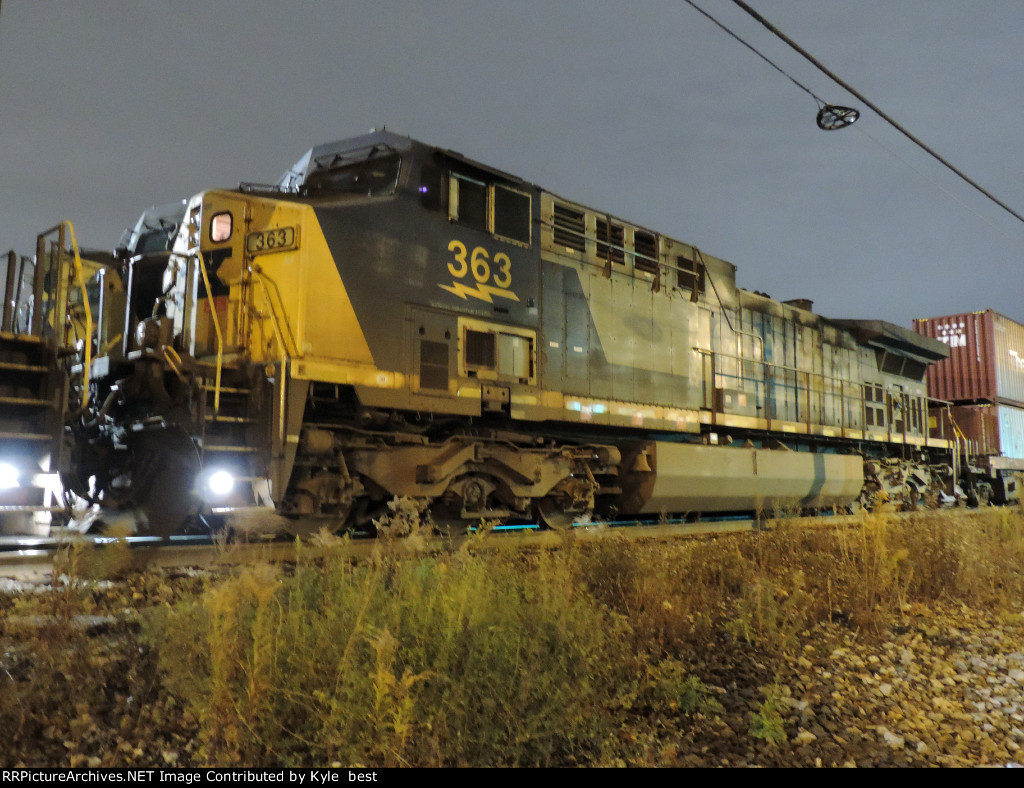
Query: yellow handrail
pixel 273 322
pixel 173 360
pixel 958 436
pixel 77 273
pixel 216 328
pixel 956 427
pixel 258 276
pixel 285 353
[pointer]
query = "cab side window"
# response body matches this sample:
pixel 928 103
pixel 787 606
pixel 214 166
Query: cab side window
pixel 495 208
pixel 511 214
pixel 468 202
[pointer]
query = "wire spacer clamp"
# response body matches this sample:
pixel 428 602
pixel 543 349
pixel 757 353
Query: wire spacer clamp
pixel 832 117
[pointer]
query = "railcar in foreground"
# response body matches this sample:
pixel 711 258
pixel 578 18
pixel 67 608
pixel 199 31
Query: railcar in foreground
pixel 394 319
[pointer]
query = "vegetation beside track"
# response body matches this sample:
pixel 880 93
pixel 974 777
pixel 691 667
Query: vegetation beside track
pixel 605 652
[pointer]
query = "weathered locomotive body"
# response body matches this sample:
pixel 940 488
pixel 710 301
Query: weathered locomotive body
pixel 394 319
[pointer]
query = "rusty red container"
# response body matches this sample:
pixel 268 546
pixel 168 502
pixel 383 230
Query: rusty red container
pixel 986 358
pixel 989 429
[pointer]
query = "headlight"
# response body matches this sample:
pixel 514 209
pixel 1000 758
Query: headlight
pixel 219 484
pixel 8 476
pixel 147 333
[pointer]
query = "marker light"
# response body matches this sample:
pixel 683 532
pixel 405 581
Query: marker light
pixel 8 476
pixel 219 483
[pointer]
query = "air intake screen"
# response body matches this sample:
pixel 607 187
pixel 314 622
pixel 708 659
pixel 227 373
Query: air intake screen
pixel 610 238
pixel 479 349
pixel 646 247
pixel 570 228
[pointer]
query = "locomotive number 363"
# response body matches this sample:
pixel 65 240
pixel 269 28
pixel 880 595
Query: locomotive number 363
pixel 480 264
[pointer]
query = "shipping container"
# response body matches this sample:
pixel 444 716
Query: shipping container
pixel 986 358
pixel 989 429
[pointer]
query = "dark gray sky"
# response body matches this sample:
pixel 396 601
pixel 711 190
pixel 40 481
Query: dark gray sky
pixel 640 108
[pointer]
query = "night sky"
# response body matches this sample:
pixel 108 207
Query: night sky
pixel 643 109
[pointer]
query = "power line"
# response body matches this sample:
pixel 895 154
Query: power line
pixel 888 119
pixel 830 116
pixel 929 179
pixel 761 55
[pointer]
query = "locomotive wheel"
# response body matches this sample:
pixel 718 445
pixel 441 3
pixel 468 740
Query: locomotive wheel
pixel 445 523
pixel 553 517
pixel 158 480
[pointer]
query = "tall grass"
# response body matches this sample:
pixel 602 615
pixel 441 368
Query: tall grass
pixel 768 588
pixel 476 660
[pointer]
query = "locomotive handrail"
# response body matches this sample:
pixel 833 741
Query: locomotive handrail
pixel 843 397
pixel 288 353
pixel 773 365
pixel 76 274
pixel 285 354
pixel 13 306
pixel 958 436
pixel 10 300
pixel 87 361
pixel 216 328
pixel 173 360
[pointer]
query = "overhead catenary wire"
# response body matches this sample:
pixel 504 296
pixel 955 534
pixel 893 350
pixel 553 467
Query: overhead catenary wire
pixel 872 106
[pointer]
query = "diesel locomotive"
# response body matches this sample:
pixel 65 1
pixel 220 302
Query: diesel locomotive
pixel 393 319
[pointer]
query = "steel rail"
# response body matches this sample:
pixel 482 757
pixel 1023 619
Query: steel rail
pixel 22 557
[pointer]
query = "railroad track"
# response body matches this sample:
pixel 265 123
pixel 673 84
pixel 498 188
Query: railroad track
pixel 31 558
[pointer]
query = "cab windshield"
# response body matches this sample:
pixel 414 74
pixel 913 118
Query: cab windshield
pixel 155 230
pixel 369 173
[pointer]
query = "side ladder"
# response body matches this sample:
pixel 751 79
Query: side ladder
pixel 229 444
pixel 33 394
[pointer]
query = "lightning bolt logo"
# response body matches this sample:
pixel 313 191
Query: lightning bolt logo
pixel 482 291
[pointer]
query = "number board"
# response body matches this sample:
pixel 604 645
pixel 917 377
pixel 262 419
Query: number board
pixel 279 239
pixel 492 275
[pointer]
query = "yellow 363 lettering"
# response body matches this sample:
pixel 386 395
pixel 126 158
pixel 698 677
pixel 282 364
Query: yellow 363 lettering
pixel 493 276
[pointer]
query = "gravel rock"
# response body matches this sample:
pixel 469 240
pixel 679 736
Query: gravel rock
pixel 942 688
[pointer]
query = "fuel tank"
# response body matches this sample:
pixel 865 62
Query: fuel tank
pixel 685 477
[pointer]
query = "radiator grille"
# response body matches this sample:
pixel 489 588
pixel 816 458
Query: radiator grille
pixel 610 238
pixel 646 246
pixel 570 228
